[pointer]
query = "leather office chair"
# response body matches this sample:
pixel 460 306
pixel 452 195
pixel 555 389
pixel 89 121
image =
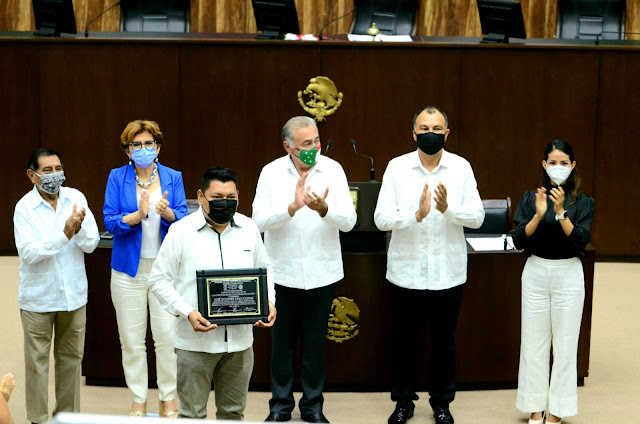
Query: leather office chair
pixel 392 17
pixel 497 217
pixel 590 19
pixel 155 15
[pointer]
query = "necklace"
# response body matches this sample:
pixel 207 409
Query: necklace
pixel 148 183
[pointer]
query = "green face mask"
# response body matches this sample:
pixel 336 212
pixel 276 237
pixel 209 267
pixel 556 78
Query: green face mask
pixel 309 157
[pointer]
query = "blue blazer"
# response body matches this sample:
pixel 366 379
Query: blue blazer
pixel 120 200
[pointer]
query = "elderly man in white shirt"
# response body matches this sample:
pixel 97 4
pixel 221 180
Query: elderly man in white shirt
pixel 215 237
pixel 427 197
pixel 302 202
pixel 53 229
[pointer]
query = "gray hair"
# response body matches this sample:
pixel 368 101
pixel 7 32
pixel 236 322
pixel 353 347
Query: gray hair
pixel 293 124
pixel 430 110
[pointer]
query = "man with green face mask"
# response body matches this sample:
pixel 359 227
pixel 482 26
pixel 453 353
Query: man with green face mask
pixel 302 202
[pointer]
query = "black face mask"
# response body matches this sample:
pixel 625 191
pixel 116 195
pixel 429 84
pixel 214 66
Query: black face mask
pixel 430 143
pixel 221 210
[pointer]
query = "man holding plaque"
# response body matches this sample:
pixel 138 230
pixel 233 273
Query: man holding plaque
pixel 427 197
pixel 215 237
pixel 302 202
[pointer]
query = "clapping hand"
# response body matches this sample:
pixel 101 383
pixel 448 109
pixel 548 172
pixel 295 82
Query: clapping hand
pixel 316 202
pixel 441 198
pixel 425 204
pixel 298 201
pixel 557 197
pixel 74 222
pixel 143 206
pixel 541 201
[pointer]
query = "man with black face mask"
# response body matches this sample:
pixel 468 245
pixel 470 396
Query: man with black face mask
pixel 427 197
pixel 213 237
pixel 53 229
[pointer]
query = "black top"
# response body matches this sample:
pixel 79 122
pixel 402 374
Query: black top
pixel 549 240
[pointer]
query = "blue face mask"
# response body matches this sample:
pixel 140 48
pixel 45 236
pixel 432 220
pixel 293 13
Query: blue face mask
pixel 144 157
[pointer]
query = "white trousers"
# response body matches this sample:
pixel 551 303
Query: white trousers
pixel 131 298
pixel 552 302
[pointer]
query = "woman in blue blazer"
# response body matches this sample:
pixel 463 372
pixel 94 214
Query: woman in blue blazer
pixel 142 200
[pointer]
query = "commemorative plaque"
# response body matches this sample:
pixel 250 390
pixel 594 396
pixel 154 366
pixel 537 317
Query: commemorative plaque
pixel 233 296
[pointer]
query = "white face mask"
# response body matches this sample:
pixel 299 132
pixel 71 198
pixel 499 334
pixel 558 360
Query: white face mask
pixel 558 173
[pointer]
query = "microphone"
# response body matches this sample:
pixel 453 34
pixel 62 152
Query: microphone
pixel 86 29
pixel 332 21
pixel 373 172
pixel 327 149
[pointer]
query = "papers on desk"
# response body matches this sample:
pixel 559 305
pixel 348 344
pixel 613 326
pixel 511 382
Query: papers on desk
pixel 380 37
pixel 483 244
pixel 308 37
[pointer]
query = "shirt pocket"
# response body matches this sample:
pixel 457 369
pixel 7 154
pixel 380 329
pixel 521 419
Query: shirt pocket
pixel 454 183
pixel 241 258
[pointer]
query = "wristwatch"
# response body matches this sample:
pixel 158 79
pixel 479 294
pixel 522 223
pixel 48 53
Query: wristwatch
pixel 563 215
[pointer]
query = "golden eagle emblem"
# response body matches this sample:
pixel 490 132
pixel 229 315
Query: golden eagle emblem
pixel 324 98
pixel 343 320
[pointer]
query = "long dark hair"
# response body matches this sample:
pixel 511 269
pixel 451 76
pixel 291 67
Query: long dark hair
pixel 572 185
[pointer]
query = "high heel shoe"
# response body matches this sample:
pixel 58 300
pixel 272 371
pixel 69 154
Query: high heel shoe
pixel 170 413
pixel 540 421
pixel 137 412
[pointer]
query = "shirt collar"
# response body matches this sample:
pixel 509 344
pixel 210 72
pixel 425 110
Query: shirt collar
pixel 36 198
pixel 201 222
pixel 445 160
pixel 318 167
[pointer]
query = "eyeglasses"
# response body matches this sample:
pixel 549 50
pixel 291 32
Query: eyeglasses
pixel 136 145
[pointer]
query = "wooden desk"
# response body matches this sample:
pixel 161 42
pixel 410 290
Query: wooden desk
pixel 488 333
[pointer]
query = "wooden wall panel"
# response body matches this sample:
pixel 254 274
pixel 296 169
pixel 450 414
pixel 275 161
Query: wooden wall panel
pixel 540 18
pixel 87 99
pixel 19 129
pixel 233 16
pixel 434 17
pixel 203 16
pixel 450 18
pixel 225 103
pixel 617 160
pixel 86 10
pixel 515 103
pixel 371 96
pixel 632 19
pixel 16 15
pixel 235 103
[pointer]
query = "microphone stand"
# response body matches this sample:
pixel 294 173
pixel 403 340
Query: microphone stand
pixel 372 171
pixel 320 37
pixel 623 33
pixel 86 29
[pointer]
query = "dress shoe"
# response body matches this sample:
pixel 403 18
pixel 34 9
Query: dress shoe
pixel 315 417
pixel 277 417
pixel 400 415
pixel 443 416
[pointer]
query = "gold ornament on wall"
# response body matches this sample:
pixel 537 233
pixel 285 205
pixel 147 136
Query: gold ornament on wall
pixel 343 320
pixel 324 98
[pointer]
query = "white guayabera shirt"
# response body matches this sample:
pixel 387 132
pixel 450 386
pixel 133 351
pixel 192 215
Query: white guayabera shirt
pixel 304 249
pixel 431 254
